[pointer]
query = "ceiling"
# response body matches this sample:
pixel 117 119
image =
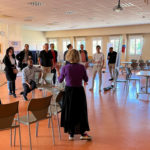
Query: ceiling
pixel 73 14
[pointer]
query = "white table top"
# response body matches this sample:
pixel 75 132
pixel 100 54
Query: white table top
pixel 143 73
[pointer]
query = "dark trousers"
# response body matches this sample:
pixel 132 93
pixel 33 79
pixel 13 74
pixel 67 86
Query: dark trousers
pixel 27 89
pixel 11 86
pixel 54 77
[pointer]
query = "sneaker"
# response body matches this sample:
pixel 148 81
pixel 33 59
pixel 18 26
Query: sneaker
pixel 21 93
pixel 91 89
pixel 71 138
pixel 85 137
pixel 10 93
pixel 111 79
pixel 25 97
pixel 14 95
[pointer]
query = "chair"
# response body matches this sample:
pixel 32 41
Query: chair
pixel 38 110
pixel 142 66
pixel 130 78
pixel 7 119
pixel 116 80
pixel 134 66
pixel 56 106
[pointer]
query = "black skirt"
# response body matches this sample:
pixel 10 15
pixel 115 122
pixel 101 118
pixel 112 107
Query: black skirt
pixel 74 116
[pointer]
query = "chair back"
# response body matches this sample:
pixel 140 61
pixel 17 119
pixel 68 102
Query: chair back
pixel 133 60
pixel 128 73
pixel 142 65
pixel 7 114
pixel 37 77
pixel 39 107
pixel 134 65
pixel 49 78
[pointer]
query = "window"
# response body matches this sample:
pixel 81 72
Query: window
pixel 95 42
pixel 65 43
pixel 79 42
pixel 54 41
pixel 115 41
pixel 135 45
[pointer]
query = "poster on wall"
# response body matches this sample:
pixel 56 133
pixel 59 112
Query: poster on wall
pixel 15 44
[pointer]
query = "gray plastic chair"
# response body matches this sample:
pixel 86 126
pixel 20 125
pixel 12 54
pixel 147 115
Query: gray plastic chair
pixel 7 119
pixel 38 110
pixel 130 78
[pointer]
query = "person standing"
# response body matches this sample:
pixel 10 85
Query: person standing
pixel 28 78
pixel 45 60
pixel 112 55
pixel 23 56
pixel 98 61
pixel 55 55
pixel 83 56
pixel 10 70
pixel 74 116
pixel 70 47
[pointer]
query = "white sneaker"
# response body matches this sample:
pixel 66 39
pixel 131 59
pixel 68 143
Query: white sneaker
pixel 85 137
pixel 71 138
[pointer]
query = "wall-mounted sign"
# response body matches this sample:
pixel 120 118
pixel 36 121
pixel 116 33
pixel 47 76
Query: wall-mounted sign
pixel 15 44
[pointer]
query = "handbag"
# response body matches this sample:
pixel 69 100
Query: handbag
pixel 15 71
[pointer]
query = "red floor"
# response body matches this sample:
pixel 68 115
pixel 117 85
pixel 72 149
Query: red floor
pixel 118 121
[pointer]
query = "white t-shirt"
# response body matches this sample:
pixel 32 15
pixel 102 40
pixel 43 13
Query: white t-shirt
pixel 12 60
pixel 98 58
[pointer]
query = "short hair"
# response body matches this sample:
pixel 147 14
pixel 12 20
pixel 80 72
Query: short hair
pixel 111 48
pixel 73 56
pixel 81 45
pixel 45 44
pixel 26 45
pixel 69 45
pixel 98 46
pixel 51 44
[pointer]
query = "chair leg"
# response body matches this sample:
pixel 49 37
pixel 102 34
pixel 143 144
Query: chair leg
pixel 30 137
pixel 52 131
pixel 10 137
pixel 58 127
pixel 15 137
pixel 20 138
pixel 49 123
pixel 37 125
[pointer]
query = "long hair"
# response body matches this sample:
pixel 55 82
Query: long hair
pixel 8 50
pixel 73 56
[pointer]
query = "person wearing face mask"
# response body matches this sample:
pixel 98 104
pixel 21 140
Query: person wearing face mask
pixel 10 65
pixel 28 78
pixel 23 57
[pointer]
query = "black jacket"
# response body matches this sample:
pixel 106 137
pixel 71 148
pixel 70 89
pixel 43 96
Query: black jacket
pixel 86 54
pixel 9 69
pixel 20 57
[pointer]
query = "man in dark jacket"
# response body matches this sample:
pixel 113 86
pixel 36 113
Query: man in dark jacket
pixel 55 55
pixel 23 57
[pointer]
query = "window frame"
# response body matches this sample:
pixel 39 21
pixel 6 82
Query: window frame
pixel 80 39
pixel 55 44
pixel 97 38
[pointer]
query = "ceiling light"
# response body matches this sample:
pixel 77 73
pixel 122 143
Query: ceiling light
pixel 35 3
pixel 69 12
pixel 118 8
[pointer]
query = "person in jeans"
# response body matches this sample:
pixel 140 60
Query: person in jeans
pixel 98 61
pixel 10 64
pixel 74 116
pixel 23 56
pixel 112 55
pixel 55 55
pixel 28 78
pixel 46 61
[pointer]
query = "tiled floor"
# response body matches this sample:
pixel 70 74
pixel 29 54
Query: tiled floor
pixel 118 121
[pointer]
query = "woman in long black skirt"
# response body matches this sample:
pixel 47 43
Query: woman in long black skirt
pixel 74 117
